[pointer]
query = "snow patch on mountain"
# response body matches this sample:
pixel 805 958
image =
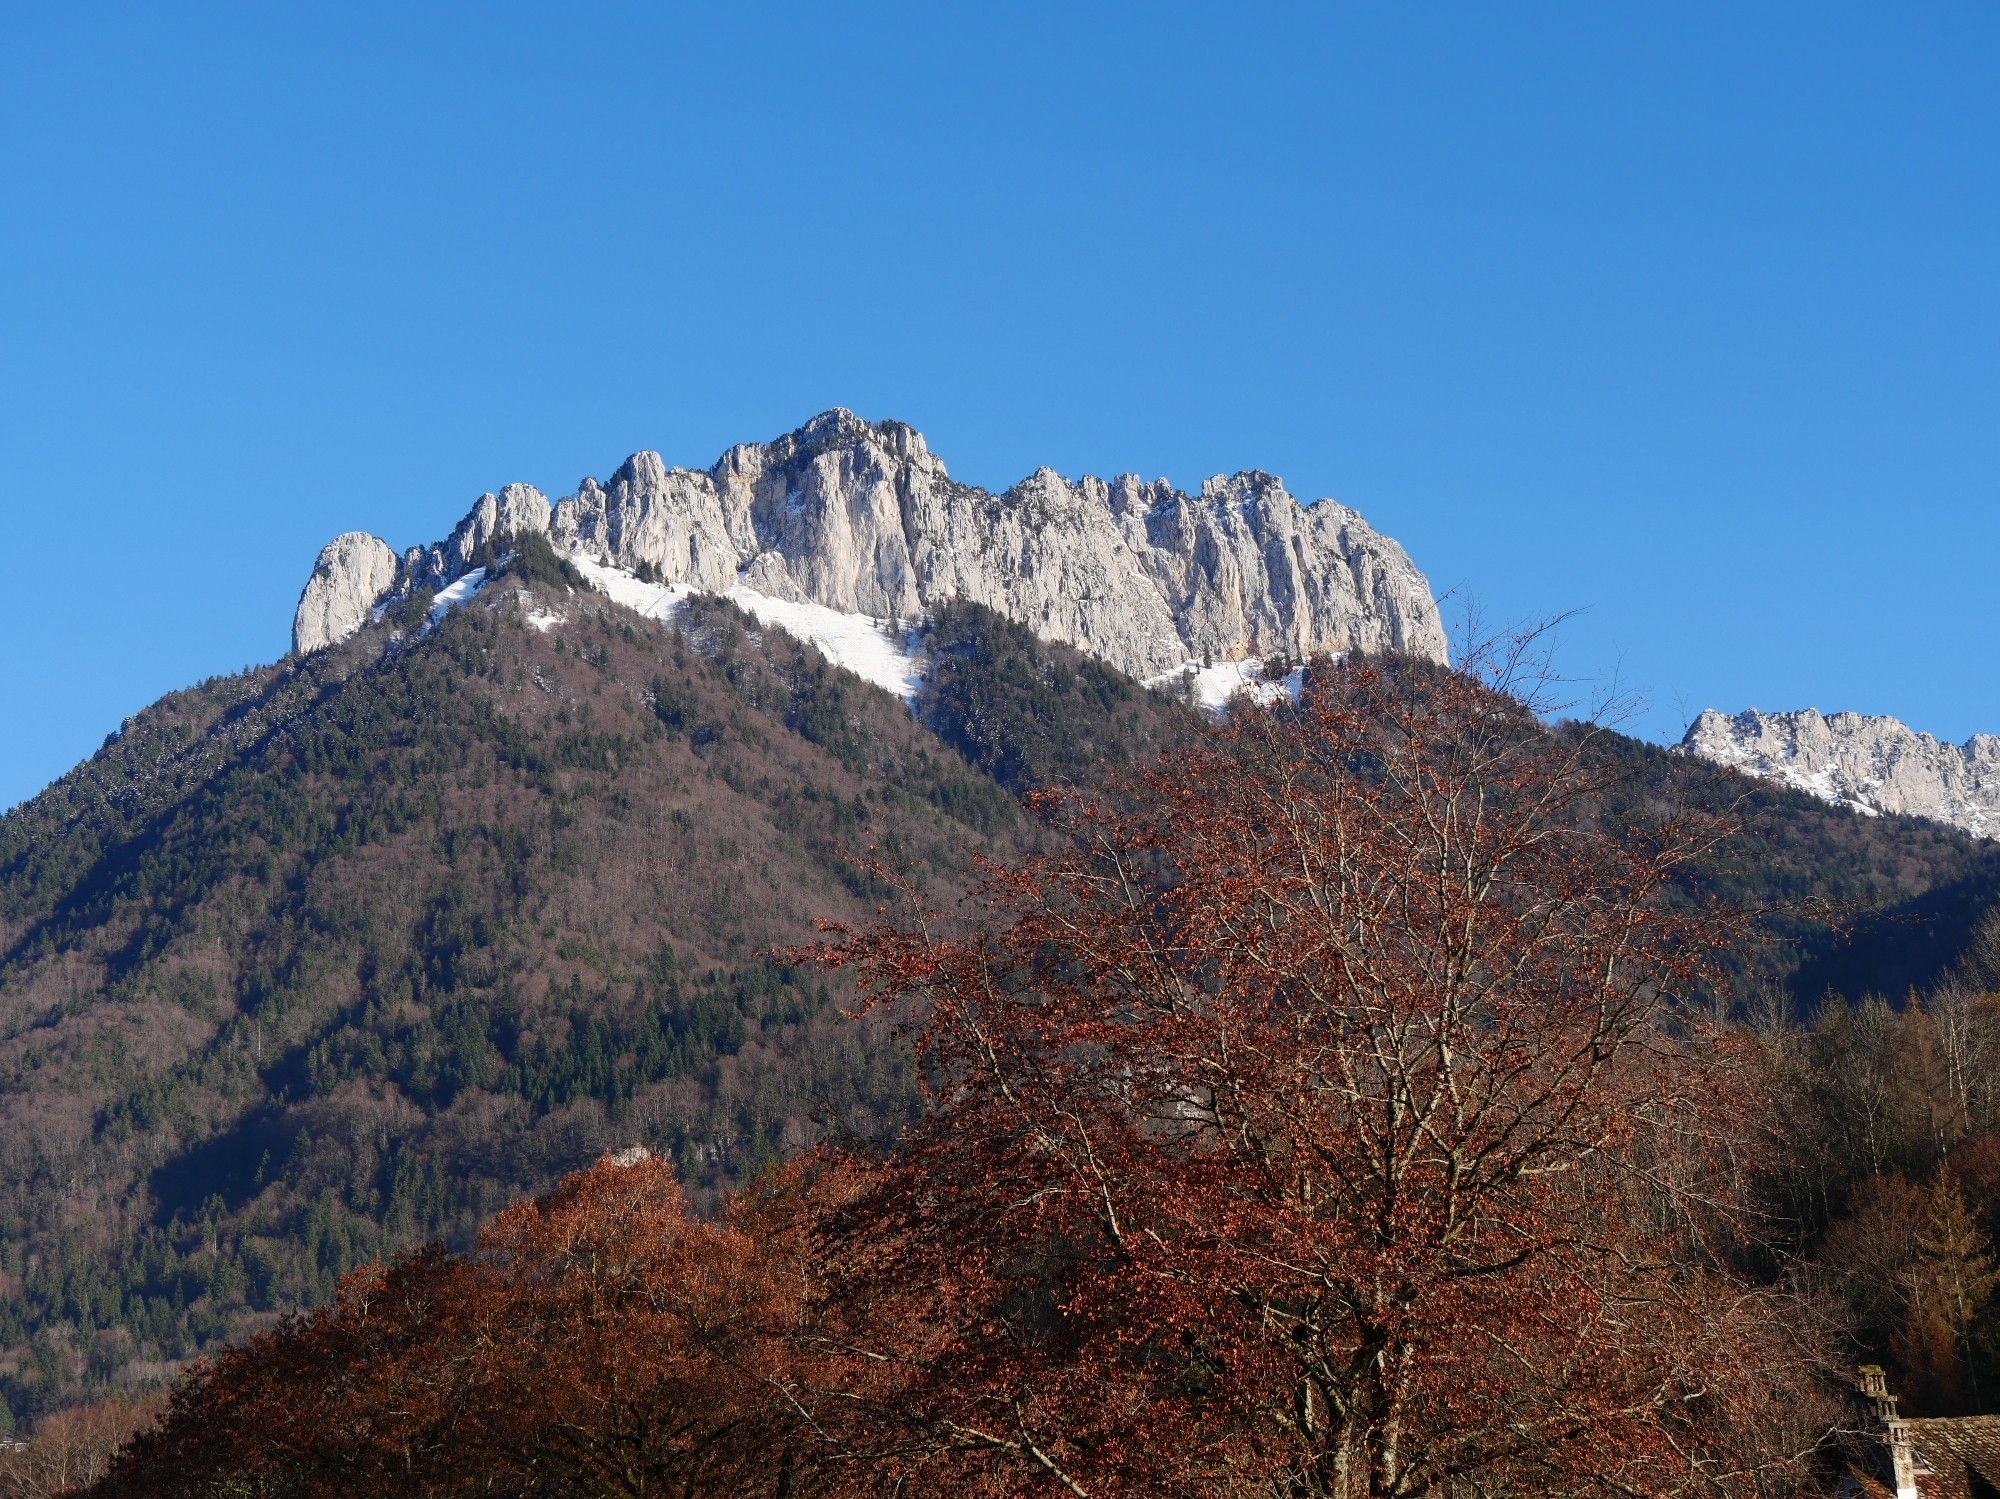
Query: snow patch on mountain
pixel 868 647
pixel 1216 686
pixel 653 600
pixel 859 643
pixel 876 651
pixel 460 592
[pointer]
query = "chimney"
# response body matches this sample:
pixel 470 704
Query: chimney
pixel 1903 1460
pixel 1874 1383
pixel 1895 1430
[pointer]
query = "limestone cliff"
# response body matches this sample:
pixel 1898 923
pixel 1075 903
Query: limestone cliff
pixel 353 571
pixel 1873 764
pixel 861 517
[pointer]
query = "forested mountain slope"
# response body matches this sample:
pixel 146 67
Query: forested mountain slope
pixel 344 953
pixel 341 954
pixel 1905 892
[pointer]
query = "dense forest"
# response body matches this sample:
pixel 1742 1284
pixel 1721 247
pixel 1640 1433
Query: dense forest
pixel 324 961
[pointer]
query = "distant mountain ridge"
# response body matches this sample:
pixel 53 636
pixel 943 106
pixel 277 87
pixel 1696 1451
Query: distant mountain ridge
pixel 1873 764
pixel 862 518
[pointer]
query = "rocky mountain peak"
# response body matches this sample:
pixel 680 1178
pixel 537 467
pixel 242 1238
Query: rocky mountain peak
pixel 351 573
pixel 643 470
pixel 1242 488
pixel 1871 763
pixel 861 517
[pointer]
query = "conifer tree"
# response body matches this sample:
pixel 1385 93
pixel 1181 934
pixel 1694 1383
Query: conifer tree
pixel 1948 1288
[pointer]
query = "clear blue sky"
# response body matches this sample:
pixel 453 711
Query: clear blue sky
pixel 1687 316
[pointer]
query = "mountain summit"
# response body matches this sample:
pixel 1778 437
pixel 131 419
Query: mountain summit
pixel 862 518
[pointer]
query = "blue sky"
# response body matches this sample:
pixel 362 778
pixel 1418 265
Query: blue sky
pixel 1683 316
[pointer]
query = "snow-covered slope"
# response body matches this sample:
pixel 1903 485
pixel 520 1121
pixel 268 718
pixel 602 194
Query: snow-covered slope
pixel 458 592
pixel 1216 686
pixel 870 648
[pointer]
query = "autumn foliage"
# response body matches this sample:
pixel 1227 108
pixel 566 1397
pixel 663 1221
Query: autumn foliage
pixel 1326 1115
pixel 1325 1118
pixel 600 1341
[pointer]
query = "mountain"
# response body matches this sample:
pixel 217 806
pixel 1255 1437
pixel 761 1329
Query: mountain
pixel 1871 764
pixel 343 953
pixel 862 519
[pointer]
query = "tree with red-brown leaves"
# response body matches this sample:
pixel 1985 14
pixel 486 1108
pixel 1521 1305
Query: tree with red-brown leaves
pixel 361 1396
pixel 1323 1119
pixel 643 1352
pixel 600 1342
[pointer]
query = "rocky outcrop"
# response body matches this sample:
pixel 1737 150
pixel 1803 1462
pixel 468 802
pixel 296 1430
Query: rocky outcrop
pixel 516 508
pixel 353 571
pixel 1869 763
pixel 862 517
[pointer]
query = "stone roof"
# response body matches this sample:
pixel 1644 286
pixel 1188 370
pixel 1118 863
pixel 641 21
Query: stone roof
pixel 1958 1457
pixel 1963 1454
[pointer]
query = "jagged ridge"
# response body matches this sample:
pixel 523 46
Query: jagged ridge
pixel 861 517
pixel 1873 764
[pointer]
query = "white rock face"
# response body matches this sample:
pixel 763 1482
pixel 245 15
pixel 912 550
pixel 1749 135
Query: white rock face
pixel 1872 764
pixel 353 571
pixel 517 508
pixel 862 518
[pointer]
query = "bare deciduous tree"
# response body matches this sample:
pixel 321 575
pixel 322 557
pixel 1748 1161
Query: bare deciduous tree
pixel 1319 1121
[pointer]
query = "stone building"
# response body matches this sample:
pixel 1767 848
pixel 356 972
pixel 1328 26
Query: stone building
pixel 1937 1457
